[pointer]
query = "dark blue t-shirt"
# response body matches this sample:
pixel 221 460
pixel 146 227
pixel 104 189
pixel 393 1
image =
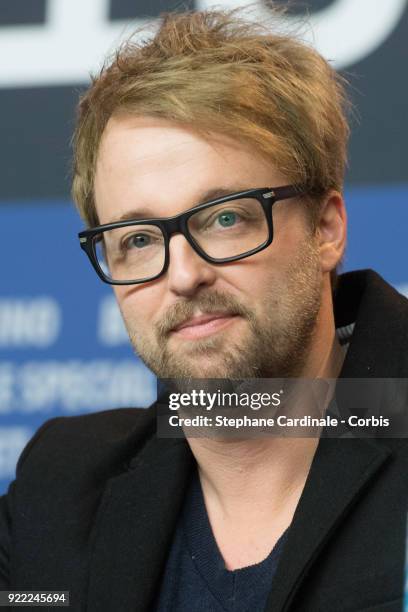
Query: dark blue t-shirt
pixel 195 578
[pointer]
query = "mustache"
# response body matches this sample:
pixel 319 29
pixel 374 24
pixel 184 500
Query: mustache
pixel 214 302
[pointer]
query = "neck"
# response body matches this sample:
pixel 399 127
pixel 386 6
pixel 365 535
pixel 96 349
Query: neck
pixel 238 473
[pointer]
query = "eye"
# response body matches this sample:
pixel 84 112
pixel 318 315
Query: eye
pixel 227 218
pixel 137 241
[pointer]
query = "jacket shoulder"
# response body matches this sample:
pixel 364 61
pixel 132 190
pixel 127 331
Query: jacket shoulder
pixel 107 439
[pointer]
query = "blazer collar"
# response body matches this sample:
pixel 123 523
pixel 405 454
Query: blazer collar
pixel 378 347
pixel 134 526
pixel 340 471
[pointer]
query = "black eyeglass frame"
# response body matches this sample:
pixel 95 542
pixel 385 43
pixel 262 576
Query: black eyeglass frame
pixel 266 196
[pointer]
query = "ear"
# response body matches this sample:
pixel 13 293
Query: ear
pixel 332 231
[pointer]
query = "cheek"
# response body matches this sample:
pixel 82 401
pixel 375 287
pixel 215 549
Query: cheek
pixel 252 279
pixel 137 304
pixel 265 276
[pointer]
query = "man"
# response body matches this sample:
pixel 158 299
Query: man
pixel 209 166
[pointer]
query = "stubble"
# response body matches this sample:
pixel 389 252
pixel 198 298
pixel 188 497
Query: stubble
pixel 274 345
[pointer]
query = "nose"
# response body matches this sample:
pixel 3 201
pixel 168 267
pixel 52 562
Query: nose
pixel 187 270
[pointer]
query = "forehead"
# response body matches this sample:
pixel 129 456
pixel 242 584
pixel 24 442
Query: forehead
pixel 164 168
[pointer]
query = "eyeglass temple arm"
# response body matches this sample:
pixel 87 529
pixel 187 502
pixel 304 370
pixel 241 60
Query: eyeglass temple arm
pixel 288 191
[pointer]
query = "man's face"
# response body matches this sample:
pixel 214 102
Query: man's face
pixel 249 318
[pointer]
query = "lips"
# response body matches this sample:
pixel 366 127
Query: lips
pixel 202 319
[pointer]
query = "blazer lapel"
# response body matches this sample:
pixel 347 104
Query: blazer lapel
pixel 134 527
pixel 343 467
pixel 340 470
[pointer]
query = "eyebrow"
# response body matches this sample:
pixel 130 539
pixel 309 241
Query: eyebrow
pixel 205 196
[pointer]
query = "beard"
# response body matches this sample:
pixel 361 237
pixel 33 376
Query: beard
pixel 272 345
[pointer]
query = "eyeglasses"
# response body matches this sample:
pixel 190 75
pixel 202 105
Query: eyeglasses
pixel 226 229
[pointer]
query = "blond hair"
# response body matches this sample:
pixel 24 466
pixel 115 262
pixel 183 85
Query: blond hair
pixel 217 72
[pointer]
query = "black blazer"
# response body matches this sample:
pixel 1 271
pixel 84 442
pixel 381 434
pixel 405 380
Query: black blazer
pixel 96 498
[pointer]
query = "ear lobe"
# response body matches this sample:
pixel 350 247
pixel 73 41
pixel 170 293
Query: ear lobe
pixel 332 231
